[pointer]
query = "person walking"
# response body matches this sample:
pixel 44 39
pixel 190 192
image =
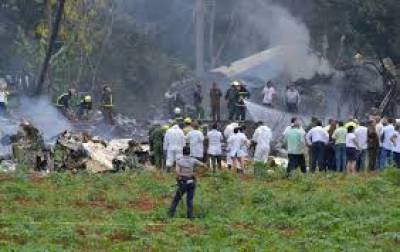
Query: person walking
pixel 215 99
pixel 186 181
pixel 295 141
pixel 373 145
pixel 361 133
pixel 352 147
pixel 215 147
pixel 269 93
pixel 317 138
pixel 339 137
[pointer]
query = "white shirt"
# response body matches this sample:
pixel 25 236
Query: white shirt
pixel 262 136
pixel 268 95
pixel 387 133
pixel 229 129
pixel 362 137
pixel 196 140
pixel 214 142
pixel 236 143
pixel 3 96
pixel 174 139
pixel 396 147
pixel 350 138
pixel 293 96
pixel 317 134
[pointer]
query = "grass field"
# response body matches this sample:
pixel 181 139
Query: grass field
pixel 127 212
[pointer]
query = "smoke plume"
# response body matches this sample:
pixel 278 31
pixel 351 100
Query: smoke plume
pixel 278 27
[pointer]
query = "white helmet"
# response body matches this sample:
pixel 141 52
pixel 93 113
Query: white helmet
pixel 177 111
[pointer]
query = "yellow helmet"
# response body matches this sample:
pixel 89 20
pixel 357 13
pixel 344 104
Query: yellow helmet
pixel 165 127
pixel 87 98
pixel 187 120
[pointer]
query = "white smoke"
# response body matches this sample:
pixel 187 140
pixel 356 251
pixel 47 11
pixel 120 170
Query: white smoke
pixel 43 115
pixel 279 28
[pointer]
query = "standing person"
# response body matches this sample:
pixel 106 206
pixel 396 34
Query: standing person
pixel 396 145
pixel 361 133
pixel 174 141
pixel 240 104
pixel 269 93
pixel 196 142
pixel 373 145
pixel 215 98
pixel 64 101
pixel 187 126
pixel 156 139
pixel 330 161
pixel 198 99
pixel 340 147
pixel 186 181
pixel 352 148
pixel 107 104
pixel 235 145
pixel 3 99
pixel 295 141
pixel 85 107
pixel 387 145
pixel 292 99
pixel 215 147
pixel 317 138
pixel 232 96
pixel 262 137
pixel 228 132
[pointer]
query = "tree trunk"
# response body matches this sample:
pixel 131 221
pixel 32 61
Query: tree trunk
pixel 212 29
pixel 199 39
pixel 51 42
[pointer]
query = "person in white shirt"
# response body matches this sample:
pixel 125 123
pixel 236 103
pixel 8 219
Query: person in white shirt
pixel 262 137
pixel 235 146
pixel 362 137
pixel 269 94
pixel 215 147
pixel 227 133
pixel 195 138
pixel 174 141
pixel 385 157
pixel 396 145
pixel 317 138
pixel 352 147
pixel 292 99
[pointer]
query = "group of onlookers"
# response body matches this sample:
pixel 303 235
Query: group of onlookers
pixel 352 146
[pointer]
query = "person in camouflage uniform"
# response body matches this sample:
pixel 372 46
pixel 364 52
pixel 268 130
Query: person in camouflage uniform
pixel 156 139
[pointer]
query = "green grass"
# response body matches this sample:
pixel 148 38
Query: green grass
pixel 127 212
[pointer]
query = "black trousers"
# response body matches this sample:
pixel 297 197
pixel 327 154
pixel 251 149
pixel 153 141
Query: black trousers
pixel 187 186
pixel 216 112
pixel 215 162
pixel 296 161
pixel 318 151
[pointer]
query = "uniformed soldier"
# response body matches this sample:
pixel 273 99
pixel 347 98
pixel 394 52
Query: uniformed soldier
pixel 232 96
pixel 215 98
pixel 240 104
pixel 85 106
pixel 156 139
pixel 107 104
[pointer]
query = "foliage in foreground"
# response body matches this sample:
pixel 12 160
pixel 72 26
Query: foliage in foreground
pixel 128 211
